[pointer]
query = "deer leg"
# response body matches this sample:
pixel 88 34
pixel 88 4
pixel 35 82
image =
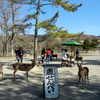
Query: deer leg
pixel 2 75
pixel 85 80
pixel 78 82
pixel 74 64
pixel 82 82
pixel 14 73
pixel 88 80
pixel 82 61
pixel 27 75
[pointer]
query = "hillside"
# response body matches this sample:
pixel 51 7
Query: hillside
pixel 90 37
pixel 40 37
pixel 27 41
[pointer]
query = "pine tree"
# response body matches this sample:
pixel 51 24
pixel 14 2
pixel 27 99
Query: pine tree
pixel 38 4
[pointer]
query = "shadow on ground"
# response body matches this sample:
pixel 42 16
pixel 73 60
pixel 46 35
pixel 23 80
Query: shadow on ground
pixel 33 89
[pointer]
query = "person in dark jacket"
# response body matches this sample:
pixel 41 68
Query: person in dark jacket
pixel 52 54
pixel 77 53
pixel 43 54
pixel 20 54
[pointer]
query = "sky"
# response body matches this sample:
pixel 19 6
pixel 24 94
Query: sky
pixel 86 18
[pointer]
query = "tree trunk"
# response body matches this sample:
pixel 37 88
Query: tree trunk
pixel 87 51
pixel 3 49
pixel 6 48
pixel 36 31
pixel 12 47
pixel 94 49
pixel 12 30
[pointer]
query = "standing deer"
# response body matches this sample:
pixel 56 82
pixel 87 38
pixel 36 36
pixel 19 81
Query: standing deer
pixel 1 70
pixel 82 73
pixel 23 67
pixel 79 59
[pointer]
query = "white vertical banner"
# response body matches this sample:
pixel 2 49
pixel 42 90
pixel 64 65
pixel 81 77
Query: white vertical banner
pixel 51 82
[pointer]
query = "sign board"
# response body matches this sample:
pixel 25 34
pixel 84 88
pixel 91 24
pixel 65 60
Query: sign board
pixel 51 82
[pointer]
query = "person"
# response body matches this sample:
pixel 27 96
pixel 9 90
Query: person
pixel 65 56
pixel 43 55
pixel 48 55
pixel 20 54
pixel 52 54
pixel 77 53
pixel 16 53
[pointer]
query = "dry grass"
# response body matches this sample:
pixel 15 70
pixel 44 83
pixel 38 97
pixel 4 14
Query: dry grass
pixel 81 53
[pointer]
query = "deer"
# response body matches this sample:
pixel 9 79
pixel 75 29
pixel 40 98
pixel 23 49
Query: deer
pixel 79 59
pixel 23 67
pixel 83 72
pixel 1 70
pixel 72 60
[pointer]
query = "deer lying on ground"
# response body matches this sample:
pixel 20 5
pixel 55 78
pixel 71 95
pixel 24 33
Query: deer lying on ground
pixel 72 60
pixel 1 70
pixel 79 59
pixel 83 73
pixel 23 67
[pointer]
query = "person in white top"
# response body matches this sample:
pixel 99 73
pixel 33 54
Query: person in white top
pixel 65 57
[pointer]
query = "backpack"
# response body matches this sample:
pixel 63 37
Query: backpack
pixel 49 54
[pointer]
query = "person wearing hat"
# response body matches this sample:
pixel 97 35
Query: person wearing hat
pixel 20 54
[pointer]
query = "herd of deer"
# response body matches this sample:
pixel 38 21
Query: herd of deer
pixel 82 72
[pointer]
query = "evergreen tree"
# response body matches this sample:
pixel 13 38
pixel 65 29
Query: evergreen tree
pixel 87 45
pixel 38 7
pixel 94 43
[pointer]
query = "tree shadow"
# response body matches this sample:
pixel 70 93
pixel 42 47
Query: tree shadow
pixel 33 89
pixel 21 88
pixel 69 89
pixel 91 62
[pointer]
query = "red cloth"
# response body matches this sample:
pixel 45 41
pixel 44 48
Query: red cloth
pixel 48 51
